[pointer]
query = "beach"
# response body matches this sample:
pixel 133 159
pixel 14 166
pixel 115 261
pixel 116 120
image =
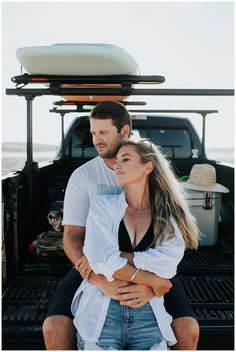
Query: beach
pixel 14 155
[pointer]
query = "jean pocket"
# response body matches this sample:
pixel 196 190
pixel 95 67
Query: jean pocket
pixel 84 345
pixel 162 345
pixel 80 342
pixel 91 346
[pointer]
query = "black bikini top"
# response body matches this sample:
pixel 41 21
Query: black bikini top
pixel 125 244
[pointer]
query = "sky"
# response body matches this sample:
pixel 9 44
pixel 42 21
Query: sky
pixel 190 43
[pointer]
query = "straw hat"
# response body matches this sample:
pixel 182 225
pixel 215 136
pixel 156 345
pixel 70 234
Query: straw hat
pixel 203 178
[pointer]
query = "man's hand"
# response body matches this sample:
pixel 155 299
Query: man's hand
pixel 83 267
pixel 137 295
pixel 134 296
pixel 109 288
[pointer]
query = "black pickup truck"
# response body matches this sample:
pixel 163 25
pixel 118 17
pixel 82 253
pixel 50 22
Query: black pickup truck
pixel 31 274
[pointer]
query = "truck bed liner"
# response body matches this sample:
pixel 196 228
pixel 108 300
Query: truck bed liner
pixel 27 297
pixel 210 293
pixel 205 260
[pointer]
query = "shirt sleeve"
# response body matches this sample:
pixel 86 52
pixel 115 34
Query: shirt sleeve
pixel 76 202
pixel 163 259
pixel 101 244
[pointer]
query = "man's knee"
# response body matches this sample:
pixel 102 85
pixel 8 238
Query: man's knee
pixel 186 330
pixel 59 333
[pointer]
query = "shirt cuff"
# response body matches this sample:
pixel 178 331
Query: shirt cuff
pixel 140 259
pixel 109 268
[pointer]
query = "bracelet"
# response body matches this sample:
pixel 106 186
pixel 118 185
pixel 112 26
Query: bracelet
pixel 136 272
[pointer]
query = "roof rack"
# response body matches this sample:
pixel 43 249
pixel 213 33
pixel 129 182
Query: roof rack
pixel 81 107
pixel 123 87
pixel 109 79
pixel 87 107
pixel 117 91
pixel 80 104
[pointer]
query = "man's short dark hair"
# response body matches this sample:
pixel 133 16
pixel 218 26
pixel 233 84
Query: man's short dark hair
pixel 113 110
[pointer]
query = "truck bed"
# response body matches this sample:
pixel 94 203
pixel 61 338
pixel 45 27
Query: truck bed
pixel 206 275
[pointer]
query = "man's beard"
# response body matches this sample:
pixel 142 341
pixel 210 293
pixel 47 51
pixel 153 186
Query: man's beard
pixel 110 154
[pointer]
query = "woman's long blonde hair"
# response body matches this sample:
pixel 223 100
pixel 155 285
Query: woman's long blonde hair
pixel 166 197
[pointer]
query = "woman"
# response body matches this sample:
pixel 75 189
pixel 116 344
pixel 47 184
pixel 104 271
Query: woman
pixel 152 207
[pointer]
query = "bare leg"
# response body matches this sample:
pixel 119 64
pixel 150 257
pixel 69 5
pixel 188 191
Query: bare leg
pixel 186 331
pixel 59 333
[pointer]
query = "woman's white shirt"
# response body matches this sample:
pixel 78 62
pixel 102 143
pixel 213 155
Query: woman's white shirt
pixel 90 305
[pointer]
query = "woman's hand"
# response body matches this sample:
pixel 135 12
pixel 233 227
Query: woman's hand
pixel 83 267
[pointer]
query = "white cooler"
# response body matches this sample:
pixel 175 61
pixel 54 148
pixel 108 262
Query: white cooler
pixel 205 207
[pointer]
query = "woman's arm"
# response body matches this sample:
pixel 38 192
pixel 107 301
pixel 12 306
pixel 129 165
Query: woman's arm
pixel 139 276
pixel 158 284
pixel 164 258
pixel 163 285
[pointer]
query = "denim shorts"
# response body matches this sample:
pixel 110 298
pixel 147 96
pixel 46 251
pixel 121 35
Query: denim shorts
pixel 127 329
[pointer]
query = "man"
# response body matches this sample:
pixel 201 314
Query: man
pixel 110 123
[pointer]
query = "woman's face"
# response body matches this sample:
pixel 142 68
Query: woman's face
pixel 128 166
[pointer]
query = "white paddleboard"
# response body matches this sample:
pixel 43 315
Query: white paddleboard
pixel 79 60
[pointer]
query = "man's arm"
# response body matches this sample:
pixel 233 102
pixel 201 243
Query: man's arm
pixel 129 256
pixel 73 241
pixel 159 285
pixel 73 246
pixel 76 202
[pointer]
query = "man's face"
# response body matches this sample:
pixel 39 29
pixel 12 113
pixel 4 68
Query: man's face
pixel 106 138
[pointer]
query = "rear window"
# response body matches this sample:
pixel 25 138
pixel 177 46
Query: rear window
pixel 174 143
pixel 81 145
